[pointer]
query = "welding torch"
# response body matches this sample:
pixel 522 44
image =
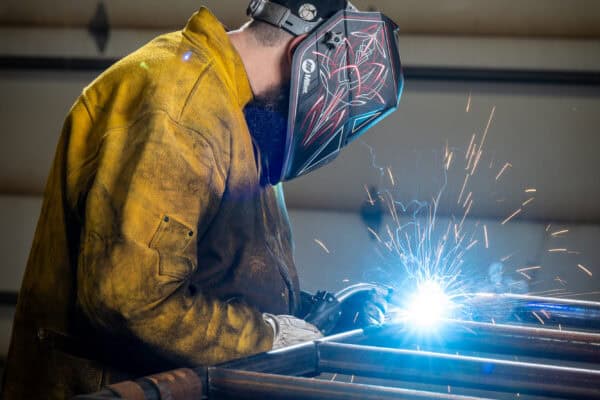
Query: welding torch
pixel 334 313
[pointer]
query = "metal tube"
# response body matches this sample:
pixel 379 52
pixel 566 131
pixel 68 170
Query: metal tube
pixel 464 336
pixel 299 360
pixel 471 372
pixel 518 308
pixel 227 384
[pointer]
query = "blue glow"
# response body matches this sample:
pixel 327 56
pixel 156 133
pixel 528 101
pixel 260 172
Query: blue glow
pixel 427 307
pixel 187 55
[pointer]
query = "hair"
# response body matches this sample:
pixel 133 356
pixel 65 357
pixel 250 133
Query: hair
pixel 268 35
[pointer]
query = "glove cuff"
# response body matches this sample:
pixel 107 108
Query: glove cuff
pixel 289 330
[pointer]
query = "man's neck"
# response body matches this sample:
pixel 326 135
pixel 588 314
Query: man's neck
pixel 264 65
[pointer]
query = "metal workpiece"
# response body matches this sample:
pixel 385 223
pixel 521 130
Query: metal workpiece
pixel 244 385
pixel 468 337
pixel 513 308
pixel 451 359
pixel 461 371
pixel 300 360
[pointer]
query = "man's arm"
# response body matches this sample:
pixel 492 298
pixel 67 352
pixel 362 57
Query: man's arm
pixel 150 200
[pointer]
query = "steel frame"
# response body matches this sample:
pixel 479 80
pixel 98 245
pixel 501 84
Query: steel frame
pixel 491 360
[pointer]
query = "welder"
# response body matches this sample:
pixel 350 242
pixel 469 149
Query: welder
pixel 163 239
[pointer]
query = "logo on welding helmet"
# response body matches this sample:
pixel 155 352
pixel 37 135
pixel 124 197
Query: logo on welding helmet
pixel 309 66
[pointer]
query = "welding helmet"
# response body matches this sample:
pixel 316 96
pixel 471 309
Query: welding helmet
pixel 346 76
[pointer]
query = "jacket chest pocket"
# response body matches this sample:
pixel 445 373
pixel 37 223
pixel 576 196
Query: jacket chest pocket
pixel 172 241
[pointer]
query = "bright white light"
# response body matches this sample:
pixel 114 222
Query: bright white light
pixel 428 305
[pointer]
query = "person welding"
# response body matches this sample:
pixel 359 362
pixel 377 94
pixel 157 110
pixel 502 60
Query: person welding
pixel 163 239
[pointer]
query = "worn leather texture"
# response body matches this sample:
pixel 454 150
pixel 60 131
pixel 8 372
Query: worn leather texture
pixel 156 246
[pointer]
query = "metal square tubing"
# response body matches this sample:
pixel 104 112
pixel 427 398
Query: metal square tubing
pixel 462 336
pixel 225 384
pixel 471 372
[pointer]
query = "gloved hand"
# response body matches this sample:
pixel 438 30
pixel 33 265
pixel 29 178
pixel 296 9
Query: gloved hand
pixel 289 330
pixel 355 307
pixel 363 308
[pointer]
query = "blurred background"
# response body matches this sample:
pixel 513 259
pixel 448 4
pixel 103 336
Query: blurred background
pixel 525 74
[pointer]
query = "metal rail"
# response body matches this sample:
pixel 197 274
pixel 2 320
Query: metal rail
pixel 527 76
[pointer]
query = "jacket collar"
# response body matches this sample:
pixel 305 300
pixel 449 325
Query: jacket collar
pixel 205 30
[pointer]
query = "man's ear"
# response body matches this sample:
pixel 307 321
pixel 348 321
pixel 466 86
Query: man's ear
pixel 292 46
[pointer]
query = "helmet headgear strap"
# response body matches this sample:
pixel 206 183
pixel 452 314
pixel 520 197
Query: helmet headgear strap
pixel 281 17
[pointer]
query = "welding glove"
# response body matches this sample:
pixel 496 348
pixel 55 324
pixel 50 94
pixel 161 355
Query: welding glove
pixel 354 307
pixel 362 309
pixel 289 330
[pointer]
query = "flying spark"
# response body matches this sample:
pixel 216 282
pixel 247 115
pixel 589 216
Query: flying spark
pixel 560 280
pixel 391 176
pixel 468 103
pixel 476 163
pixel 538 317
pixel 471 157
pixel 511 216
pixel 485 235
pixel 526 203
pixel 468 199
pixel 322 245
pixel 462 191
pixel 468 154
pixel 371 201
pixel 557 250
pixel 449 162
pixel 531 190
pixel 508 257
pixel 560 232
pixel 487 128
pixel 584 269
pixel 473 243
pixel 529 269
pixel 528 277
pixel 467 211
pixel 503 170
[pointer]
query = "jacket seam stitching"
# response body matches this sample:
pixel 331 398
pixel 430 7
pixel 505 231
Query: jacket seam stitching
pixel 192 92
pixel 86 105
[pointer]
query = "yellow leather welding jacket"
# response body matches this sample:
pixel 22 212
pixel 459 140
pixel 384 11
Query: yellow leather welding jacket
pixel 156 246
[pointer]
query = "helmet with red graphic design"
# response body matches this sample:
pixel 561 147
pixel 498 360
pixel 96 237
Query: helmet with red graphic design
pixel 346 76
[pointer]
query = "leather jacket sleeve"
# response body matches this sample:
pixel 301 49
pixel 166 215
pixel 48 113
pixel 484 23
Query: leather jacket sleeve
pixel 154 191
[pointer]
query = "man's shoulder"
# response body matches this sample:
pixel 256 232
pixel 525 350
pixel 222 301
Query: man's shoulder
pixel 161 75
